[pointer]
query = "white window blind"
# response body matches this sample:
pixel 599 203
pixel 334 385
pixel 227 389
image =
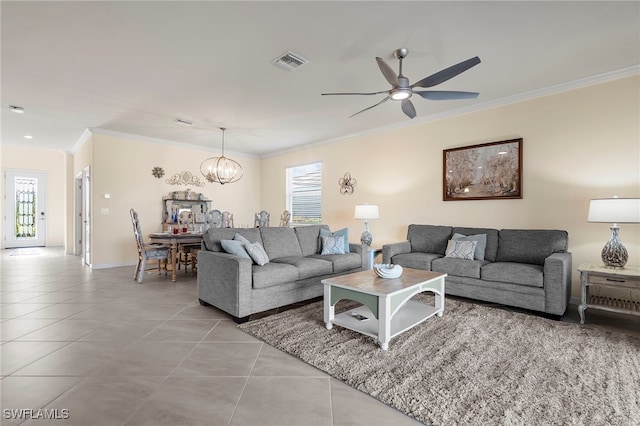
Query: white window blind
pixel 304 193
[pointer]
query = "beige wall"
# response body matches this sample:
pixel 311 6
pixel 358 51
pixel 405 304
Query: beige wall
pixel 122 167
pixel 54 164
pixel 578 145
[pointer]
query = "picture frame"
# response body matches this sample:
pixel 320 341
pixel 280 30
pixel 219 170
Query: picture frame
pixel 489 171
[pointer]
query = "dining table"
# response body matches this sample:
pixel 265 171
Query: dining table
pixel 173 241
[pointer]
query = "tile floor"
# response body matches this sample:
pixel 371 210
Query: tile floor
pixel 103 350
pixel 113 352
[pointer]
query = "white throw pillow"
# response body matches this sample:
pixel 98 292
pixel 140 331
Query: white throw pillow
pixel 257 253
pixel 460 249
pixel 332 245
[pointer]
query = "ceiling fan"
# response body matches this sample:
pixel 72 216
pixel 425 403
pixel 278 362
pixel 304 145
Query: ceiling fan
pixel 401 90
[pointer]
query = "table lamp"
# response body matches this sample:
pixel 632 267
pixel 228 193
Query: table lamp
pixel 614 210
pixel 366 212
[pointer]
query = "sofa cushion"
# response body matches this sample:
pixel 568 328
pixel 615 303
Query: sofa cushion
pixel 458 267
pixel 344 232
pixel 212 236
pixel 308 237
pixel 332 245
pixel 530 246
pixel 280 242
pixel 272 274
pixel 429 238
pixel 308 267
pixel 257 253
pixel 341 262
pixel 516 273
pixel 491 248
pixel 461 249
pixel 415 260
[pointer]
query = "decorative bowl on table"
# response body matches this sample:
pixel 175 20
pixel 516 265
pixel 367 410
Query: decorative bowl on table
pixel 387 270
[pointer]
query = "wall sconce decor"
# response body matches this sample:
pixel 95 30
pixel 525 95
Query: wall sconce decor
pixel 185 178
pixel 347 184
pixel 158 172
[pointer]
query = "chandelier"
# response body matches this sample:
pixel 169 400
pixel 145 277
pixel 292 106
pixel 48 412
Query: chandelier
pixel 221 169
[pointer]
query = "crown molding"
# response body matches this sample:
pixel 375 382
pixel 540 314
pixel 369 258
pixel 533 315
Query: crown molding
pixel 520 97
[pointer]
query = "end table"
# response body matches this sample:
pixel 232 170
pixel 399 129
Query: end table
pixel 599 275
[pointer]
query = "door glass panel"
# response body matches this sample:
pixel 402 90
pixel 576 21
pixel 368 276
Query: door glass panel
pixel 25 193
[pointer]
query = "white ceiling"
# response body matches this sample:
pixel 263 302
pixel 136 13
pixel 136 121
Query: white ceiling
pixel 134 67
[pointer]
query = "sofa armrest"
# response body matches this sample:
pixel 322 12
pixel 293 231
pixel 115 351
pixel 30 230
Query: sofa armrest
pixel 362 251
pixel 390 250
pixel 557 283
pixel 225 281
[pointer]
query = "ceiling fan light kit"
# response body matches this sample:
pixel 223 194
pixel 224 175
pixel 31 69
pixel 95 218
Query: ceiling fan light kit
pixel 402 90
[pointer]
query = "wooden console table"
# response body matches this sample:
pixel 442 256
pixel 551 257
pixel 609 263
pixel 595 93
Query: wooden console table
pixel 599 275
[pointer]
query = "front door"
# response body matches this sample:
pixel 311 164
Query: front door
pixel 25 219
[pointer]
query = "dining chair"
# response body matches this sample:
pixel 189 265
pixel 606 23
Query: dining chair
pixel 262 219
pixel 285 219
pixel 227 220
pixel 148 251
pixel 214 219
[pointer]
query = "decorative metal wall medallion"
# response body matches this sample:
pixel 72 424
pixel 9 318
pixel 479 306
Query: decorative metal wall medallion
pixel 347 184
pixel 185 178
pixel 157 172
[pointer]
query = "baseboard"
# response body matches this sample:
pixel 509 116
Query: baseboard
pixel 112 265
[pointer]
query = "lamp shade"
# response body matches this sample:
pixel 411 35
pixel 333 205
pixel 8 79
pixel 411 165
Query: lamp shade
pixel 367 211
pixel 614 210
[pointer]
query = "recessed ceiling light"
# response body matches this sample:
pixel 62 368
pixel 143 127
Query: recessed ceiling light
pixel 16 109
pixel 28 136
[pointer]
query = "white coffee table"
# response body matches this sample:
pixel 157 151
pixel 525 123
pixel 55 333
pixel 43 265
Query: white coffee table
pixel 386 303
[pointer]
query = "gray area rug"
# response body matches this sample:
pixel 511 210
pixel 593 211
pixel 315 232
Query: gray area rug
pixel 476 365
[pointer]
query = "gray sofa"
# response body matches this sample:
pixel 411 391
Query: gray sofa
pixel 528 269
pixel 240 287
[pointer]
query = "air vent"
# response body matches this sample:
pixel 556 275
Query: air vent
pixel 289 61
pixel 183 122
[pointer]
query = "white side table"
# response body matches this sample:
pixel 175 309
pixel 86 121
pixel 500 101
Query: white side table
pixel 601 276
pixel 372 253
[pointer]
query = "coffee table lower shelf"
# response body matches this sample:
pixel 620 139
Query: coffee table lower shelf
pixel 411 314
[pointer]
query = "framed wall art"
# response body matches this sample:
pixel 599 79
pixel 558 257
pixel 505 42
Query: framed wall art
pixel 490 171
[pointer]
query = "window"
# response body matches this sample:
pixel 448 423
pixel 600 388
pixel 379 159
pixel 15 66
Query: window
pixel 304 193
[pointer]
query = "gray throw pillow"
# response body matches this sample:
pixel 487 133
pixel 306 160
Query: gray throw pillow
pixel 457 249
pixel 332 245
pixel 257 253
pixel 344 232
pixel 481 243
pixel 234 247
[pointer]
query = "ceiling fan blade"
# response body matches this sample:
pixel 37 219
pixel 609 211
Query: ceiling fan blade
pixel 447 73
pixel 389 74
pixel 443 95
pixel 372 106
pixel 371 93
pixel 408 108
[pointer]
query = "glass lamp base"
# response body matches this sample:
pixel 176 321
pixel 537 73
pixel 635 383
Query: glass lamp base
pixel 614 254
pixel 366 238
